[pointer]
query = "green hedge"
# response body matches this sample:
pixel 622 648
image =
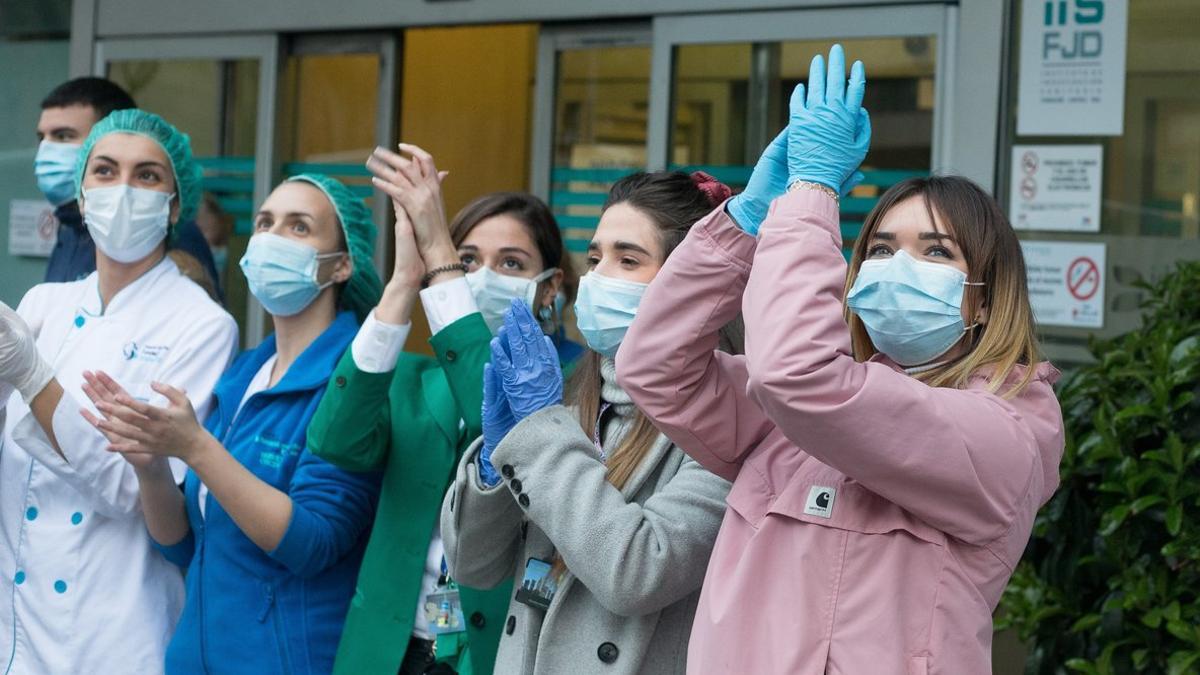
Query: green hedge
pixel 1110 582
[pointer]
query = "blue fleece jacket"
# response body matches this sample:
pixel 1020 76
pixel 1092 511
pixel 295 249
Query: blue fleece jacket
pixel 249 611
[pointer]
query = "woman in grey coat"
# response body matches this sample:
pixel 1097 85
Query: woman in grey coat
pixel 604 524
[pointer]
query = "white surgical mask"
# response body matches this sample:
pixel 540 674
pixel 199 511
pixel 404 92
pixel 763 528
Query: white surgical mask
pixel 127 223
pixel 494 293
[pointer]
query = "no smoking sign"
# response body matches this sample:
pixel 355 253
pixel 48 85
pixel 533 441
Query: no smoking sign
pixel 1066 282
pixel 1083 278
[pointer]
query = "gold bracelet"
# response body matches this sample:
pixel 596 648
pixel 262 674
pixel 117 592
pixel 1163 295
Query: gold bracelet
pixel 809 185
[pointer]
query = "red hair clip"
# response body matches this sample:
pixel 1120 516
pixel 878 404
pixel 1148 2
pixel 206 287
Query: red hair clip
pixel 715 190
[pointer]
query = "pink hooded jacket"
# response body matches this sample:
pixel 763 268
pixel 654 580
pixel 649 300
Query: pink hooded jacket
pixel 874 520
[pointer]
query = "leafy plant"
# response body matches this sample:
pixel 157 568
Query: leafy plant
pixel 1110 582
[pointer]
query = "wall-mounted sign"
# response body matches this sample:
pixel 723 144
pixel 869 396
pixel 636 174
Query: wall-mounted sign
pixel 32 227
pixel 1066 282
pixel 1056 187
pixel 1072 79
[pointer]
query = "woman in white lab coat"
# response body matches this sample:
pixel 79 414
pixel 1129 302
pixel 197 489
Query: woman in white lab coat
pixel 89 593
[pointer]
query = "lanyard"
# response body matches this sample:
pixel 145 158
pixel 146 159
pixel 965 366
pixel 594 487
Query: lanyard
pixel 596 432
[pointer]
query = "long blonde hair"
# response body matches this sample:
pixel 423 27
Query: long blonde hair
pixel 993 256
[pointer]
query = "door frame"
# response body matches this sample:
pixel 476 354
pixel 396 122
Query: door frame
pixel 387 46
pixel 934 19
pixel 552 40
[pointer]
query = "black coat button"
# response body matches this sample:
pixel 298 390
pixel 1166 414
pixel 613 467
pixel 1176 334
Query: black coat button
pixel 507 471
pixel 516 485
pixel 478 620
pixel 340 381
pixel 510 625
pixel 608 652
pixel 451 355
pixel 523 500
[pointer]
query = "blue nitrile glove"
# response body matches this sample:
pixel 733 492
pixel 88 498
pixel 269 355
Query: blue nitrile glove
pixel 770 180
pixel 530 371
pixel 497 417
pixel 749 207
pixel 828 130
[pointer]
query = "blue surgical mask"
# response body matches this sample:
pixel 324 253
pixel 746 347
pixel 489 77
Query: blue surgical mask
pixel 282 273
pixel 494 293
pixel 912 309
pixel 605 309
pixel 54 167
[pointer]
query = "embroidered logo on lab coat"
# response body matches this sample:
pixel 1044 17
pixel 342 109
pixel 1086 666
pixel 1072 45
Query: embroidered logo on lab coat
pixel 820 501
pixel 132 351
pixel 277 451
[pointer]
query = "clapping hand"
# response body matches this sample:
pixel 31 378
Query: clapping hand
pixel 527 363
pixel 422 236
pixel 21 366
pixel 498 420
pixel 828 129
pixel 138 430
pixel 523 377
pixel 415 186
pixel 768 180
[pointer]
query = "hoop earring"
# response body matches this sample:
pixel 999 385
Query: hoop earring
pixel 548 318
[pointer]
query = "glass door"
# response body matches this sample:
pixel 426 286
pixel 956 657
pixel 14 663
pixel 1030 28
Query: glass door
pixel 721 86
pixel 337 98
pixel 590 119
pixel 221 92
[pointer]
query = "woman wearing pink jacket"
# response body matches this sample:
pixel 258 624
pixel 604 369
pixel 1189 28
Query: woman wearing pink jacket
pixel 888 452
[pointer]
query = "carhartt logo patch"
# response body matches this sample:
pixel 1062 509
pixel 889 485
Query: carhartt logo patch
pixel 820 501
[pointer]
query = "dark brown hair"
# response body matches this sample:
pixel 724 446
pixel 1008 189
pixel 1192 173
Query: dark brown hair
pixel 993 256
pixel 103 96
pixel 538 221
pixel 672 199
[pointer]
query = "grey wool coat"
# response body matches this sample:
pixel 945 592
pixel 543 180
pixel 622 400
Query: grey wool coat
pixel 636 558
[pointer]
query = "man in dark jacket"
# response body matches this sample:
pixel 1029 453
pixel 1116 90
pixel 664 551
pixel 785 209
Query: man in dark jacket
pixel 68 114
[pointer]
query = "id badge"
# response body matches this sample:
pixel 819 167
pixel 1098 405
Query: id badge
pixel 443 612
pixel 539 585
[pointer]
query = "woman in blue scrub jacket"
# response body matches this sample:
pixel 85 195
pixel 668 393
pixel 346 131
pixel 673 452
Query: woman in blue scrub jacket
pixel 271 535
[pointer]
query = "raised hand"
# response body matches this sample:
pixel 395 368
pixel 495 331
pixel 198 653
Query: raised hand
pixel 415 186
pixel 408 266
pixel 400 294
pixel 768 180
pixel 529 370
pixel 828 129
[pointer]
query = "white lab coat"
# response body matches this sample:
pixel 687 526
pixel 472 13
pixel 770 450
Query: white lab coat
pixel 88 592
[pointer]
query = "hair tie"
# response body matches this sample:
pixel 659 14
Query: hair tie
pixel 715 190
